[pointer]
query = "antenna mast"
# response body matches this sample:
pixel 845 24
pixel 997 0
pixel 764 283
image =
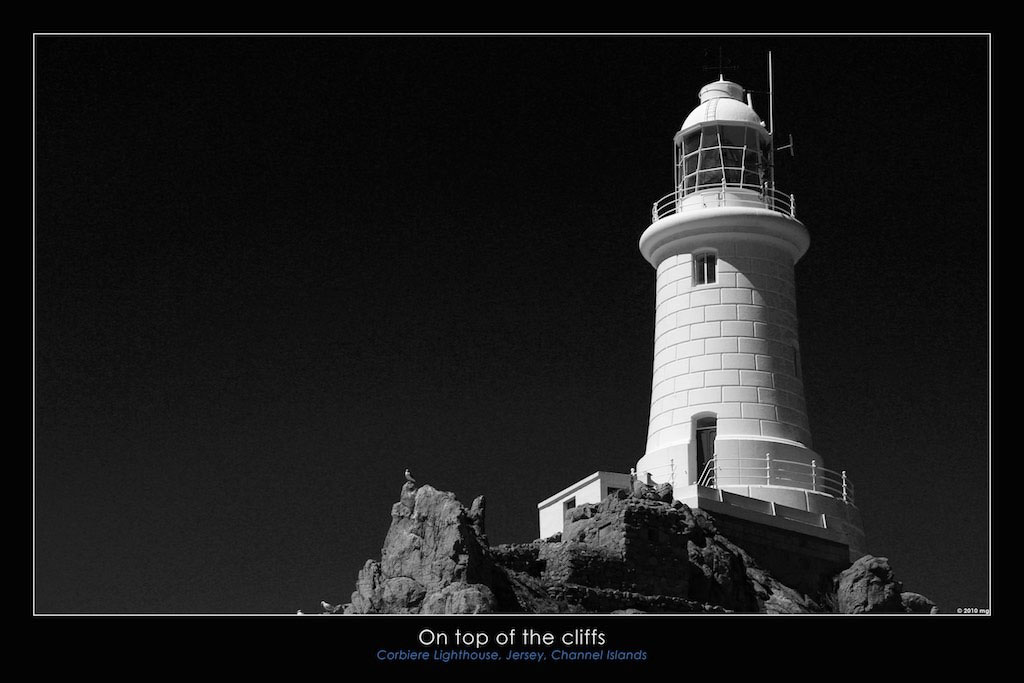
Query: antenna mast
pixel 771 97
pixel 771 120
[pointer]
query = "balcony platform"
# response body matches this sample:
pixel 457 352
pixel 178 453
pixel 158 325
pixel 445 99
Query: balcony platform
pixel 838 525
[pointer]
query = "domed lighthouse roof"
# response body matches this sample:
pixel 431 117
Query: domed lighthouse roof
pixel 721 101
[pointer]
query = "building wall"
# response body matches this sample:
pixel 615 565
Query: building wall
pixel 727 348
pixel 588 490
pixel 797 560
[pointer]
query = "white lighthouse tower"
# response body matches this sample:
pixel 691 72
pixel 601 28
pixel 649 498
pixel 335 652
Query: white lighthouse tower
pixel 728 424
pixel 727 398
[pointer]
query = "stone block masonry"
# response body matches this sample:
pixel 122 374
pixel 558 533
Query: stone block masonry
pixel 804 562
pixel 738 336
pixel 648 547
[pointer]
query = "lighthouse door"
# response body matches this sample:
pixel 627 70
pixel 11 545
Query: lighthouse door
pixel 705 431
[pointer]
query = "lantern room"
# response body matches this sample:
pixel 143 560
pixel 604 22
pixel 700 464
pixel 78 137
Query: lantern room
pixel 722 142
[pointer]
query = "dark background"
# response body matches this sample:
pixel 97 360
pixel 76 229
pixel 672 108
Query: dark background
pixel 273 272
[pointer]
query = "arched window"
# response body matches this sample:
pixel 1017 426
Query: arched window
pixel 705 268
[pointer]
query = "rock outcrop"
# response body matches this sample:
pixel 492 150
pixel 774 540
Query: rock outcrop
pixel 631 553
pixel 434 561
pixel 915 603
pixel 869 586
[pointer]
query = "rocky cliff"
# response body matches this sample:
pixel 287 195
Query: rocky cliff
pixel 630 553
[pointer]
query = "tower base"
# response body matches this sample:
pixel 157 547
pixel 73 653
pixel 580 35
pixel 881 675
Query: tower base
pixel 806 563
pixel 801 546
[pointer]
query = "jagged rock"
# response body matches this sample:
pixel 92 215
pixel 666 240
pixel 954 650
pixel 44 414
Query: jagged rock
pixel 918 604
pixel 432 544
pixel 408 497
pixel 366 598
pixel 476 516
pixel 644 550
pixel 624 555
pixel 529 594
pixel 664 493
pixel 403 593
pixel 579 512
pixel 868 586
pixel 460 598
pixel 774 597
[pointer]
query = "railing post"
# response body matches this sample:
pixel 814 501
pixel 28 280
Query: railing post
pixel 814 475
pixel 792 206
pixel 768 468
pixel 844 486
pixel 672 471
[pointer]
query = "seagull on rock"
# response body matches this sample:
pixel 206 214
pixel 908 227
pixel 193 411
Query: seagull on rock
pixel 408 477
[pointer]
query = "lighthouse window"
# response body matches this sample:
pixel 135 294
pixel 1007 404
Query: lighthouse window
pixel 733 154
pixel 691 142
pixel 704 269
pixel 710 158
pixel 732 157
pixel 732 136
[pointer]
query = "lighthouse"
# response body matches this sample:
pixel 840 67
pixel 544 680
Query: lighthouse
pixel 728 414
pixel 728 427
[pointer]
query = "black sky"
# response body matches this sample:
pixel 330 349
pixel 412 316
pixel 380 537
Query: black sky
pixel 273 272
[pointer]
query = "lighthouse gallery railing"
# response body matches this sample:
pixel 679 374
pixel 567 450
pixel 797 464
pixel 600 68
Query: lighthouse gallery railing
pixel 721 194
pixel 768 471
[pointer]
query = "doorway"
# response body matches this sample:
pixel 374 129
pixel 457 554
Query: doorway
pixel 705 430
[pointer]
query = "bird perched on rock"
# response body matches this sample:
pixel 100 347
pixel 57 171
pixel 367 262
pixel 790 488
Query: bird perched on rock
pixel 328 607
pixel 408 477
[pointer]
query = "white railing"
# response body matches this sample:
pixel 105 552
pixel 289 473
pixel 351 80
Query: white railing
pixel 723 194
pixel 768 471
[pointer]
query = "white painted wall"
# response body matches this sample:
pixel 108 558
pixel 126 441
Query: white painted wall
pixel 591 489
pixel 727 347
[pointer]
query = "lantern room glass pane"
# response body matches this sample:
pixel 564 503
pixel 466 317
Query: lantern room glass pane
pixel 733 136
pixel 691 163
pixel 710 158
pixel 751 178
pixel 732 176
pixel 709 178
pixel 710 137
pixel 751 159
pixel 732 157
pixel 691 142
